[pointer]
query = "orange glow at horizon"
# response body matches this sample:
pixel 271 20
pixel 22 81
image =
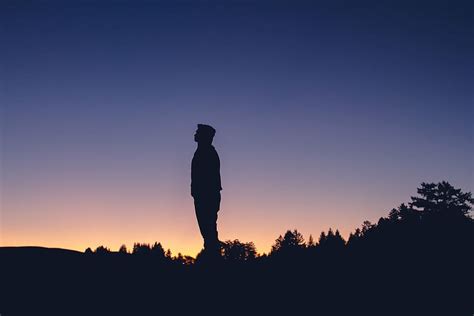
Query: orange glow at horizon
pixel 73 225
pixel 81 212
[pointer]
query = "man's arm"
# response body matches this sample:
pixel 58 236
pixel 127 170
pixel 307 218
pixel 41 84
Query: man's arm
pixel 218 172
pixel 193 175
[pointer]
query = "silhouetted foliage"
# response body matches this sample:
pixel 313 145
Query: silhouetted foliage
pixel 332 242
pixel 123 249
pixel 183 260
pixel 157 250
pixel 168 254
pixel 292 240
pixel 101 250
pixel 442 199
pixel 311 242
pixel 238 251
pixel 141 249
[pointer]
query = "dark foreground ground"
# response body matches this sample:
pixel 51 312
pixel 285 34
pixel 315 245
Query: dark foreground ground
pixel 36 280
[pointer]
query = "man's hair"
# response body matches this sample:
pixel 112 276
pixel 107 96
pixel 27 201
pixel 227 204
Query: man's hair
pixel 207 130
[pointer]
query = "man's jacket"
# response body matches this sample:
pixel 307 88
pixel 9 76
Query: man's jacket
pixel 205 172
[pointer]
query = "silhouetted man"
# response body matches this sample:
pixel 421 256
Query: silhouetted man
pixel 206 187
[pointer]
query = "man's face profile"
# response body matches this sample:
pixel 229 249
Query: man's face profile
pixel 196 136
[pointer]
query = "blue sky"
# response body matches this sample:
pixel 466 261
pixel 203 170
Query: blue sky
pixel 327 114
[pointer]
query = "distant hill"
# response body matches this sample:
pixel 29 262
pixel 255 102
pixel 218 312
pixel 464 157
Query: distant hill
pixel 19 256
pixel 35 250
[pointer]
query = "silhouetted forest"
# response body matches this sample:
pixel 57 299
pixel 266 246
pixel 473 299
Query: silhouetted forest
pixel 417 259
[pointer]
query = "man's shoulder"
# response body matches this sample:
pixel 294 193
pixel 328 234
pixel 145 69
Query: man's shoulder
pixel 213 149
pixel 205 153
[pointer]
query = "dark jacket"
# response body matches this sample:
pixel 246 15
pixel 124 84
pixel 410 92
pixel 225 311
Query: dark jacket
pixel 205 172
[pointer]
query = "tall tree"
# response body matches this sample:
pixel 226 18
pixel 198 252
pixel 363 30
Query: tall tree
pixel 291 240
pixel 442 198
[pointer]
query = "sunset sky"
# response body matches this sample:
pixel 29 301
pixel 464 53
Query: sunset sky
pixel 327 114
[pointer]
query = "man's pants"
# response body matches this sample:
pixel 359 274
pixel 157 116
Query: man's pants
pixel 206 207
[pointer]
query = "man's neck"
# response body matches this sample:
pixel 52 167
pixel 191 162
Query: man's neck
pixel 204 145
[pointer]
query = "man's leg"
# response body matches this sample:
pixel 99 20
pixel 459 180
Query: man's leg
pixel 201 219
pixel 211 238
pixel 208 227
pixel 206 213
pixel 214 205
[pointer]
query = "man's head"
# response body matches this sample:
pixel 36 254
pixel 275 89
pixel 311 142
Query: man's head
pixel 204 134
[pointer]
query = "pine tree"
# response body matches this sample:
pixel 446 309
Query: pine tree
pixel 311 243
pixel 123 249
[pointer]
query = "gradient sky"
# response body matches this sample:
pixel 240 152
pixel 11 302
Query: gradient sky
pixel 327 114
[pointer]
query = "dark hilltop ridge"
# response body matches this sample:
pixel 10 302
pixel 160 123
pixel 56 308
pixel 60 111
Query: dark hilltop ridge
pixel 417 259
pixel 37 251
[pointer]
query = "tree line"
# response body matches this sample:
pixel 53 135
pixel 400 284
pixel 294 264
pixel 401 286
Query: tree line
pixel 439 213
